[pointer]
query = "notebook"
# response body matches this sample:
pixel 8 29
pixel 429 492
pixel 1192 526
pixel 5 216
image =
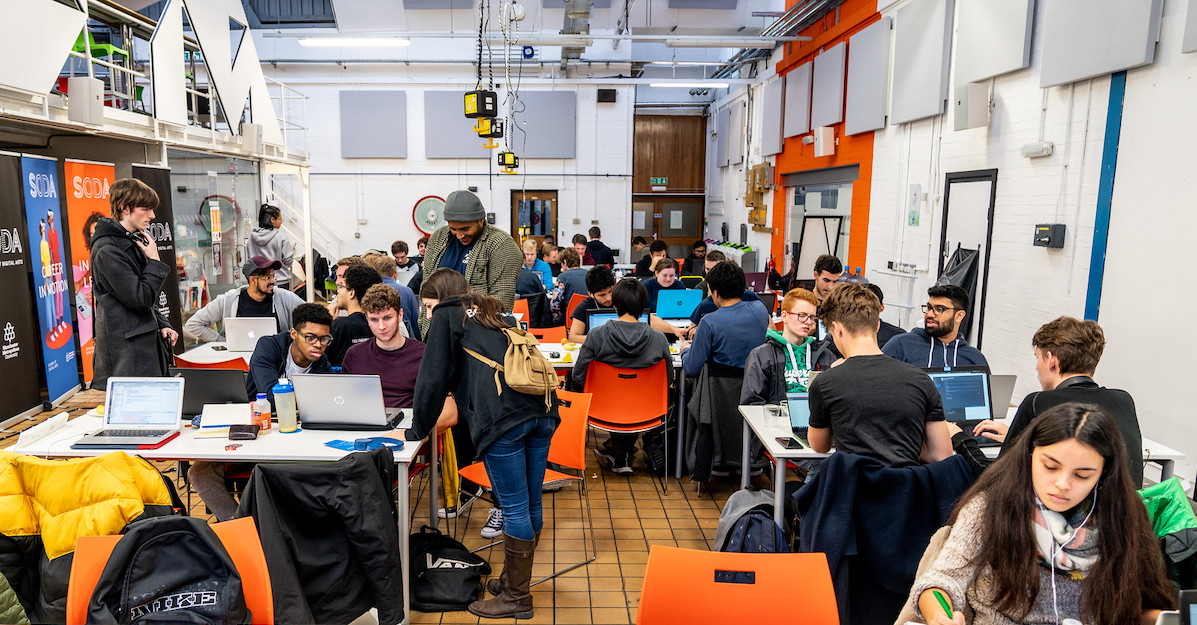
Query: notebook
pixel 138 412
pixel 241 334
pixel 966 399
pixel 677 303
pixel 210 386
pixel 798 408
pixel 343 402
pixel 600 316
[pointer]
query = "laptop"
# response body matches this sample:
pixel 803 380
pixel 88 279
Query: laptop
pixel 600 316
pixel 769 299
pixel 210 386
pixel 966 399
pixel 691 282
pixel 677 303
pixel 137 412
pixel 343 402
pixel 758 281
pixel 798 408
pixel 1001 390
pixel 241 334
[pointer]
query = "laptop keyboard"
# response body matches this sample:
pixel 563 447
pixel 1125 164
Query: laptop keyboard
pixel 137 433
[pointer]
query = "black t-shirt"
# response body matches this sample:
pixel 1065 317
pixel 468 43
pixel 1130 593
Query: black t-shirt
pixel 876 406
pixel 248 307
pixel 347 332
pixel 582 313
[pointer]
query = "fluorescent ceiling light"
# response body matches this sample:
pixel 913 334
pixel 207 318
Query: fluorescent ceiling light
pixel 354 42
pixel 717 42
pixel 565 41
pixel 689 85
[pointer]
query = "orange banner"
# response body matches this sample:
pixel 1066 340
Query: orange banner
pixel 86 202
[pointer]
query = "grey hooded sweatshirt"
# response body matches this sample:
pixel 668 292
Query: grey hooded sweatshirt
pixel 623 344
pixel 272 244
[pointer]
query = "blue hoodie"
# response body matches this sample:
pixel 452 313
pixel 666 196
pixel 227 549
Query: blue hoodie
pixel 922 350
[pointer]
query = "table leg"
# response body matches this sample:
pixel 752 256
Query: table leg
pixel 404 539
pixel 744 471
pixel 1166 468
pixel 681 421
pixel 433 477
pixel 779 490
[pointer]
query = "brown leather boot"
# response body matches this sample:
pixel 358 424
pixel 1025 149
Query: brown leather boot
pixel 495 586
pixel 514 600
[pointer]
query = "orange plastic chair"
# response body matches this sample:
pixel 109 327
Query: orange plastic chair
pixel 238 364
pixel 773 595
pixel 574 300
pixel 628 401
pixel 568 449
pixel 548 335
pixel 521 307
pixel 239 537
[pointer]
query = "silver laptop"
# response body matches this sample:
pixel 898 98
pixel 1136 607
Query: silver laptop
pixel 1001 389
pixel 138 411
pixel 343 402
pixel 241 334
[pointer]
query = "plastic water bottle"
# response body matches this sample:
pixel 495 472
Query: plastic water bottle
pixel 284 403
pixel 261 412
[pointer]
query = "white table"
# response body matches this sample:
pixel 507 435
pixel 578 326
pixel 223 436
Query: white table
pixel 560 364
pixel 768 429
pixel 207 354
pixel 273 446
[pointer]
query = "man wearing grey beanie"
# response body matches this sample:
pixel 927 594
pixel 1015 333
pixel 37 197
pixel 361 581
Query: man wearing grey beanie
pixel 489 258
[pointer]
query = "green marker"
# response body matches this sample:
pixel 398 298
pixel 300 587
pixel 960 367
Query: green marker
pixel 943 603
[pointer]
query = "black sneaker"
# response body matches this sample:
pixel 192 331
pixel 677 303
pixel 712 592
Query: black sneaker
pixel 620 465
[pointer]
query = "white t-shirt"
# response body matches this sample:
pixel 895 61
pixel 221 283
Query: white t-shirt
pixel 294 368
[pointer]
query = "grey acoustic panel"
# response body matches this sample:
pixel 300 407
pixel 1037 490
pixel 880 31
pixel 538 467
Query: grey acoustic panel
pixel 735 143
pixel 1189 44
pixel 722 130
pixel 773 98
pixel 921 60
pixel 548 124
pixel 1087 38
pixel 868 76
pixel 373 124
pixel 992 38
pixel 702 4
pixel 827 86
pixel 797 108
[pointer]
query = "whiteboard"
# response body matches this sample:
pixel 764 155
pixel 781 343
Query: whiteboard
pixel 820 235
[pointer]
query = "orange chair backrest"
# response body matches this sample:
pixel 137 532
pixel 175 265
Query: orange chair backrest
pixel 237 364
pixel 627 396
pixel 774 596
pixel 91 554
pixel 568 447
pixel 549 335
pixel 574 300
pixel 521 307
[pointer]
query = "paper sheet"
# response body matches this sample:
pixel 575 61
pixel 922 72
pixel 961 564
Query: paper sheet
pixel 675 220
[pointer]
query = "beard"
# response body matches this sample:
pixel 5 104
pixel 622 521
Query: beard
pixel 941 330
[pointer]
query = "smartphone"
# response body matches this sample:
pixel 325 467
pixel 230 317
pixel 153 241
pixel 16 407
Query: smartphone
pixel 789 442
pixel 219 348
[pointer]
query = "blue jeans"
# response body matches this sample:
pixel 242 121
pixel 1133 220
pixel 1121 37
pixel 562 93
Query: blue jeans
pixel 516 464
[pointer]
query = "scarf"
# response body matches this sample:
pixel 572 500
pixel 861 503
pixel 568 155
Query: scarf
pixel 1059 545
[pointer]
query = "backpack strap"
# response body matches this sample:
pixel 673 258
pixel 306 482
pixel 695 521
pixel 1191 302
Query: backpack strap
pixel 490 363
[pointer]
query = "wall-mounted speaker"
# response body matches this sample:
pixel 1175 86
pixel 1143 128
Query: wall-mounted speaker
pixel 972 106
pixel 824 141
pixel 606 95
pixel 86 103
pixel 251 138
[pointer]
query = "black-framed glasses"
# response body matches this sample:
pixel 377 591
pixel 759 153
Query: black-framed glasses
pixel 938 310
pixel 312 339
pixel 802 317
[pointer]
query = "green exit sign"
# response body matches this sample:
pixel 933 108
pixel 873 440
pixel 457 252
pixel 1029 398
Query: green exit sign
pixel 658 182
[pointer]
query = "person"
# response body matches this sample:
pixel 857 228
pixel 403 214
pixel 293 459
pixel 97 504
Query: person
pixel 638 245
pixel 551 255
pixel 258 298
pixel 665 279
pixel 127 278
pixel 402 262
pixel 532 263
pixel 511 431
pixel 61 319
pixel 729 334
pixel 599 251
pixel 488 257
pixel 353 328
pixel 938 343
pixel 1067 351
pixel 579 243
pixel 47 278
pixel 530 289
pixel 421 247
pixel 338 276
pixel 268 241
pixel 886 331
pixel 783 364
pixel 695 263
pixel 870 404
pixel 599 282
pixel 388 270
pixel 628 344
pixel 828 270
pixel 284 354
pixel 656 251
pixel 1054 531
pixel 707 305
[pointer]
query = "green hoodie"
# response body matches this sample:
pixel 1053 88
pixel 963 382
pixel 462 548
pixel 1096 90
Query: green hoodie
pixel 797 359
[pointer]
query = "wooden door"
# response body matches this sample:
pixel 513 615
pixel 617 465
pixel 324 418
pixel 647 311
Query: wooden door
pixel 533 215
pixel 678 220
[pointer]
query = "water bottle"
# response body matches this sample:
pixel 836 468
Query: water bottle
pixel 261 412
pixel 284 404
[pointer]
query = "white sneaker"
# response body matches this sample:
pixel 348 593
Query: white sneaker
pixel 494 524
pixel 464 499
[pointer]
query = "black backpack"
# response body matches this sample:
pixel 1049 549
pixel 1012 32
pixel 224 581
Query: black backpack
pixel 445 576
pixel 169 569
pixel 755 532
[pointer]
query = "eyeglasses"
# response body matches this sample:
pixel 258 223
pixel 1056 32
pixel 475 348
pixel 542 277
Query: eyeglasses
pixel 939 310
pixel 312 339
pixel 802 317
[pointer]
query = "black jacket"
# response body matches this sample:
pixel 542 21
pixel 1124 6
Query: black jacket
pixel 601 254
pixel 127 286
pixel 447 367
pixel 331 537
pixel 269 362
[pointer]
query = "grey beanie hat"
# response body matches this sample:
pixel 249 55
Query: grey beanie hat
pixel 464 206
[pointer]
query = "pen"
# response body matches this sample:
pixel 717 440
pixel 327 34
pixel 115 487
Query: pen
pixel 943 603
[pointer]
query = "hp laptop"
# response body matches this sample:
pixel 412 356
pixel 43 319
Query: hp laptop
pixel 965 396
pixel 242 333
pixel 798 407
pixel 138 411
pixel 600 316
pixel 677 303
pixel 758 281
pixel 343 402
pixel 1001 390
pixel 210 386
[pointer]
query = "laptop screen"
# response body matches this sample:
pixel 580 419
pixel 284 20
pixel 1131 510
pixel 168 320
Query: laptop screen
pixel 799 408
pixel 599 318
pixel 677 303
pixel 965 394
pixel 144 401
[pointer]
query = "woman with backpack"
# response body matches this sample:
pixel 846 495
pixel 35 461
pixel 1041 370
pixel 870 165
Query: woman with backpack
pixel 510 429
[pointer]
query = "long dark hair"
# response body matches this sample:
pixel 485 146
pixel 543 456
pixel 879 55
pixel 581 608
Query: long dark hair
pixel 267 213
pixel 1128 552
pixel 443 284
pixel 487 310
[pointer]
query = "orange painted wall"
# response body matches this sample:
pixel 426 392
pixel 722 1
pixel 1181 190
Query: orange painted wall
pixel 850 150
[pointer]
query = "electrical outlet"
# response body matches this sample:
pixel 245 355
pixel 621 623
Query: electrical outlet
pixel 576 221
pixel 357 235
pixel 594 222
pixel 362 221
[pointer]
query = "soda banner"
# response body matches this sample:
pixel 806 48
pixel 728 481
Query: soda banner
pixel 87 187
pixel 51 282
pixel 18 330
pixel 162 230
